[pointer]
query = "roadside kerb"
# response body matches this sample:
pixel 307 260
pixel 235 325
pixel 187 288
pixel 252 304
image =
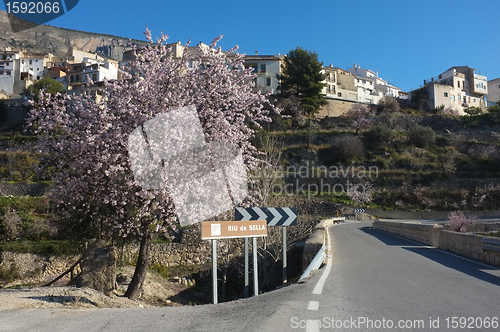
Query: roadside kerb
pixel 314 246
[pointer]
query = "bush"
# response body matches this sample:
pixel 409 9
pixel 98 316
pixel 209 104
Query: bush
pixel 41 247
pixel 422 137
pixel 348 149
pixel 9 275
pixel 389 104
pixel 378 136
pixel 473 110
pixel 10 225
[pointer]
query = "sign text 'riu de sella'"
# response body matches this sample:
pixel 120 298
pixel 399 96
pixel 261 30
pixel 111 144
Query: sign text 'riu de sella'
pixel 233 229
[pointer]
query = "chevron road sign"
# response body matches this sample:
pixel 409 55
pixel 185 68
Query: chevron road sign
pixel 274 216
pixel 359 210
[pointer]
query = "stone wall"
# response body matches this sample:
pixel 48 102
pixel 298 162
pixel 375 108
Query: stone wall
pixel 172 254
pixel 37 268
pixel 469 245
pixel 425 215
pixel 426 234
pixel 464 244
pixel 193 251
pixel 334 108
pixel 23 189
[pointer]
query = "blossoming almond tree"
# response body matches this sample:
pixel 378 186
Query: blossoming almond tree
pixel 83 140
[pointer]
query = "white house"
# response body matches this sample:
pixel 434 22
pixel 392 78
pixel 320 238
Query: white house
pixel 7 71
pixel 493 90
pixel 32 65
pixel 339 84
pixel 267 68
pixel 98 72
pixel 371 88
pixel 456 89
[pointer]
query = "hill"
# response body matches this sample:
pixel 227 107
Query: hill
pixel 58 41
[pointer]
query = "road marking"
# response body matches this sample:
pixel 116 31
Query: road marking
pixel 312 325
pixel 318 288
pixel 313 305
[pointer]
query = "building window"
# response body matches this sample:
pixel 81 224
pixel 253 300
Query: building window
pixel 452 97
pixel 459 97
pixel 77 78
pixel 458 83
pixel 31 62
pixel 262 68
pixel 94 77
pixel 446 94
pixel 339 94
pixel 38 77
pixel 8 73
pixel 255 68
pixel 268 81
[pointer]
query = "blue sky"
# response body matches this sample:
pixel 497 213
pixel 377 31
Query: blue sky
pixel 405 41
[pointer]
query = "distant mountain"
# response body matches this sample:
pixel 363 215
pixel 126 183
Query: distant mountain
pixel 58 41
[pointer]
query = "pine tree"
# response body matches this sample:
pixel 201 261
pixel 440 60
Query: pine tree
pixel 301 76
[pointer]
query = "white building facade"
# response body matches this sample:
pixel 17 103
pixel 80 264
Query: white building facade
pixel 493 91
pixel 456 89
pixel 267 68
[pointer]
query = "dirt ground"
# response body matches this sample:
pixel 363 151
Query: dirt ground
pixel 157 291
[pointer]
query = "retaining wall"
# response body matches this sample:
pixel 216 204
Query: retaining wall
pixel 426 234
pixel 464 244
pixel 425 215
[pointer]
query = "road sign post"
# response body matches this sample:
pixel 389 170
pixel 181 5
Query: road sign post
pixel 214 272
pixel 213 230
pixel 274 217
pixel 285 272
pixel 255 268
pixel 247 281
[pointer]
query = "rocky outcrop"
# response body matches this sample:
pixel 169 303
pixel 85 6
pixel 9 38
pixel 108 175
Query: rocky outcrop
pixel 58 41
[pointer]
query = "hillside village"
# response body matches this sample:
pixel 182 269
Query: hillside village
pixel 454 89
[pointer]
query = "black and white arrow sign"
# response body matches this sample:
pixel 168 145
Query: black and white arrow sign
pixel 274 216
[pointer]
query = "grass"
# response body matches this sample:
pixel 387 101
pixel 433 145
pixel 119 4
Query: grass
pixel 39 247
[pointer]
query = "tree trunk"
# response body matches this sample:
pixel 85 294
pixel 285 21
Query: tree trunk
pixel 134 289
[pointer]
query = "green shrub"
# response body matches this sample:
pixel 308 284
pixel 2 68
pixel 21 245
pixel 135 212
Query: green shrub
pixel 378 136
pixel 9 275
pixel 40 247
pixel 422 137
pixel 348 149
pixel 473 110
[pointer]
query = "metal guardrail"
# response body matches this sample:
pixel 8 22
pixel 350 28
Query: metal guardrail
pixel 491 245
pixel 315 263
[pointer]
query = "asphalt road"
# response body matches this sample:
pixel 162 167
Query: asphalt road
pixel 372 282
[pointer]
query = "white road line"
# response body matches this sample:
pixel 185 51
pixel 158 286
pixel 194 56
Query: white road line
pixel 312 325
pixel 313 305
pixel 318 288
